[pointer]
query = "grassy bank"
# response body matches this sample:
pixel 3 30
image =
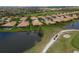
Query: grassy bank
pixel 48 32
pixel 64 45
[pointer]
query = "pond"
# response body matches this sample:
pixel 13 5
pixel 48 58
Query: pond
pixel 74 25
pixel 17 42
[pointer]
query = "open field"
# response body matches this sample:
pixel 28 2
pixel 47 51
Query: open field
pixel 75 40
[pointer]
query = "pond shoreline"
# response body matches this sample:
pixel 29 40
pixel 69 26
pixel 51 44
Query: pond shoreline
pixel 16 42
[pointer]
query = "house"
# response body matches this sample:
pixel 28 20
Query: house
pixel 36 22
pixel 50 19
pixel 41 19
pixel 23 24
pixel 8 20
pixel 57 19
pixel 1 21
pixel 46 20
pixel 23 18
pixel 67 18
pixel 34 18
pixel 51 22
pixel 75 16
pixel 9 24
pixel 3 18
pixel 61 18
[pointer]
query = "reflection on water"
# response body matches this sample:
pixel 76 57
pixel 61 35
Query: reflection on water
pixel 74 25
pixel 17 41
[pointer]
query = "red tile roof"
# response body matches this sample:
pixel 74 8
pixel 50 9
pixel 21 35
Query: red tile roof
pixel 10 23
pixel 23 24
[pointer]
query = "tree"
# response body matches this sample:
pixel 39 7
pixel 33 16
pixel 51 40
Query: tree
pixel 30 22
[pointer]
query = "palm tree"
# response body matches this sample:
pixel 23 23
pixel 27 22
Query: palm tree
pixel 30 22
pixel 40 31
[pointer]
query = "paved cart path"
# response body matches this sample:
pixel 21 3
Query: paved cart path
pixel 55 38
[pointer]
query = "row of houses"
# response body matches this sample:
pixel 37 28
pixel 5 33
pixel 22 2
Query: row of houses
pixel 37 21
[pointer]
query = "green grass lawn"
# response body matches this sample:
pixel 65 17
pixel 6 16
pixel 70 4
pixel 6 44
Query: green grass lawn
pixel 75 41
pixel 64 45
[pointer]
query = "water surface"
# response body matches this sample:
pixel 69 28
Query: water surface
pixel 74 25
pixel 17 41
